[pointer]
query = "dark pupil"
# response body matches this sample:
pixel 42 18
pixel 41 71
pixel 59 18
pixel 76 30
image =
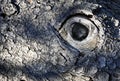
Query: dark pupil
pixel 79 31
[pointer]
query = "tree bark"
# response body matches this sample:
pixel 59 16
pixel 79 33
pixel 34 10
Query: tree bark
pixel 37 43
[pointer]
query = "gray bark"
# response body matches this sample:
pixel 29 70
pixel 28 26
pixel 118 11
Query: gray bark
pixel 38 42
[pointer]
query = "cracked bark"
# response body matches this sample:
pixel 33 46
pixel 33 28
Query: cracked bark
pixel 32 48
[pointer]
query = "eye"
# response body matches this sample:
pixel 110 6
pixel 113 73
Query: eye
pixel 82 32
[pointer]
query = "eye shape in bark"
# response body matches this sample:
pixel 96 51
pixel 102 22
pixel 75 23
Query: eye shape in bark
pixel 82 32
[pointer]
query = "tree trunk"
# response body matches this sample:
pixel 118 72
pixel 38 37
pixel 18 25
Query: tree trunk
pixel 59 40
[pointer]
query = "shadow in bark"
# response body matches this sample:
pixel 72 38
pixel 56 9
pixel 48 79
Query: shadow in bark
pixel 8 69
pixel 31 32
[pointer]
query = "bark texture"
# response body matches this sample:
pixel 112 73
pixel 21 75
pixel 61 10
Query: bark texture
pixel 36 42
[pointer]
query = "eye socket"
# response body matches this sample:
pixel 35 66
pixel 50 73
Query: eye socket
pixel 79 32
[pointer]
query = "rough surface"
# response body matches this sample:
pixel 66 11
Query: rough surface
pixel 31 48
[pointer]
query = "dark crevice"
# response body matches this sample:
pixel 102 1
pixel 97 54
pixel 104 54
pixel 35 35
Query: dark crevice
pixel 63 57
pixel 110 78
pixel 3 15
pixel 91 79
pixel 17 6
pixel 22 80
pixel 77 59
pixel 8 29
